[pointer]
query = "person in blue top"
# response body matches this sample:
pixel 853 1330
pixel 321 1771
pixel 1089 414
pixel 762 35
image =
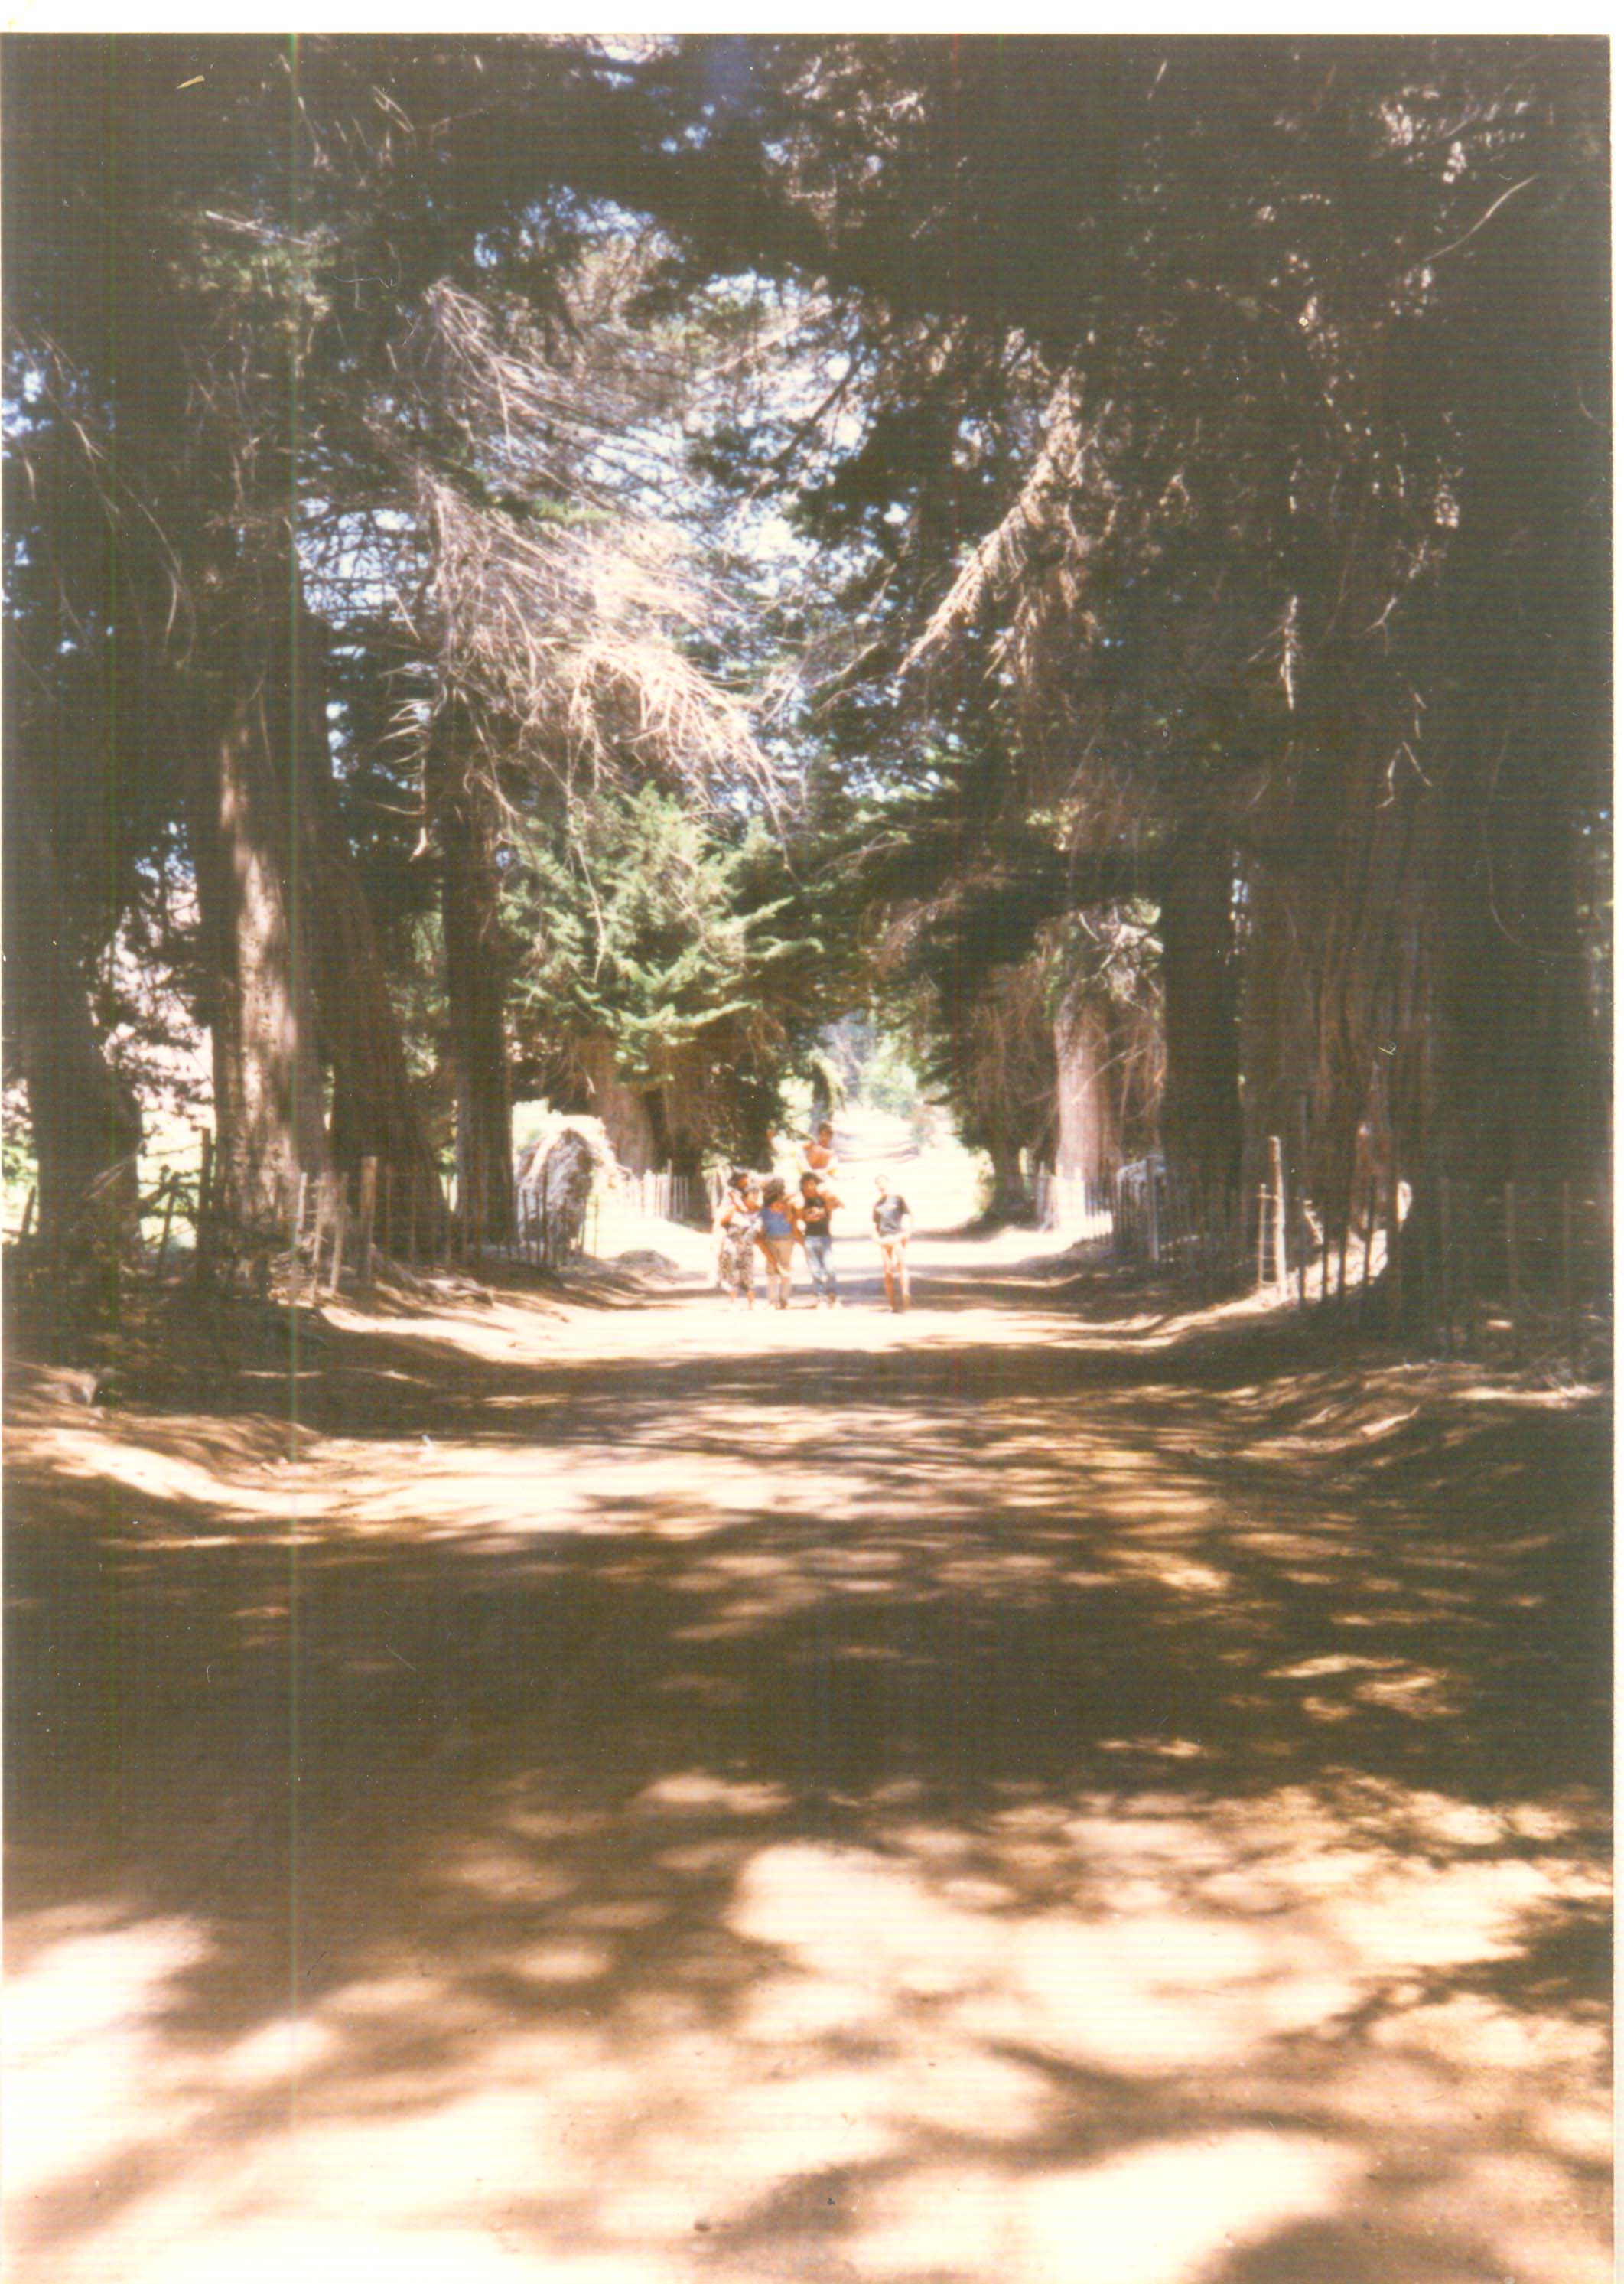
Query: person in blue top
pixel 777 1240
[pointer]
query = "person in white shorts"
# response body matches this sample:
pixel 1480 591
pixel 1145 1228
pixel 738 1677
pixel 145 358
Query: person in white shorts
pixel 892 1226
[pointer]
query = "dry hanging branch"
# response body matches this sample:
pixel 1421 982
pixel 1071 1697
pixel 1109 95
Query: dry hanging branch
pixel 1037 533
pixel 551 615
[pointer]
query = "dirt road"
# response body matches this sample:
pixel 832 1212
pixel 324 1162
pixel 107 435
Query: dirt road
pixel 1017 1793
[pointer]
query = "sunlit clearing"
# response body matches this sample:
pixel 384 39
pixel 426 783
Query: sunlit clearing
pixel 1164 2215
pixel 82 2034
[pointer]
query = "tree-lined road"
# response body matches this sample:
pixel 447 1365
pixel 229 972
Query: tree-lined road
pixel 648 1794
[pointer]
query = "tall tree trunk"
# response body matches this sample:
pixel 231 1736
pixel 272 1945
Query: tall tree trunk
pixel 1519 1060
pixel 374 1114
pixel 476 988
pixel 1088 1144
pixel 676 1142
pixel 622 1107
pixel 1284 945
pixel 1201 1114
pixel 85 1117
pixel 267 1091
pixel 1010 1200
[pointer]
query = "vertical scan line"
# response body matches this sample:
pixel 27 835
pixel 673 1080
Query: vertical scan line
pixel 295 982
pixel 110 1212
pixel 112 1641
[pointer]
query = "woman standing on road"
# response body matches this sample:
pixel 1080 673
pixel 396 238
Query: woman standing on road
pixel 817 1204
pixel 738 1224
pixel 777 1240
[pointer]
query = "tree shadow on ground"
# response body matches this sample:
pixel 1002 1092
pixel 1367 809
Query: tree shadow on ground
pixel 899 1813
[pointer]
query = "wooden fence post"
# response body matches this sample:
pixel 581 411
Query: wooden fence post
pixel 1445 1277
pixel 340 1210
pixel 27 1216
pixel 1569 1315
pixel 367 1203
pixel 1513 1282
pixel 1395 1256
pixel 296 1219
pixel 389 1209
pixel 318 1225
pixel 169 1189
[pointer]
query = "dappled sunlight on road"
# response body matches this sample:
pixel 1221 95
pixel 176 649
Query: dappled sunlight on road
pixel 1012 2030
pixel 676 1796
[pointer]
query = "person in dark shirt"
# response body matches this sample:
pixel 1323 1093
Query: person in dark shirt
pixel 893 1225
pixel 816 1205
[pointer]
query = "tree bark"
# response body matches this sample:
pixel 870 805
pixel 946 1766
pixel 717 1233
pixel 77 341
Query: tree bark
pixel 1010 1200
pixel 625 1110
pixel 1285 938
pixel 476 988
pixel 1088 1142
pixel 85 1117
pixel 1519 1062
pixel 374 1114
pixel 1200 1116
pixel 259 985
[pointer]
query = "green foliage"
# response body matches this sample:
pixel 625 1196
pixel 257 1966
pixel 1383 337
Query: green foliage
pixel 868 1060
pixel 655 930
pixel 1224 522
pixel 18 1167
pixel 1161 413
pixel 828 1084
pixel 890 1083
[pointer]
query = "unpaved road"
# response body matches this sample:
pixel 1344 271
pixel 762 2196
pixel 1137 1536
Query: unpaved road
pixel 646 1794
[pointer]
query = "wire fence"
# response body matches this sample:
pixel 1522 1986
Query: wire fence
pixel 1446 1260
pixel 1449 1262
pixel 335 1227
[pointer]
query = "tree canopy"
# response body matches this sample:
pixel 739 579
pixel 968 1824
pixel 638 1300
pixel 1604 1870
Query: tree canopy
pixel 586 559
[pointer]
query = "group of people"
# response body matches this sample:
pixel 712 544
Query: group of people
pixel 766 1216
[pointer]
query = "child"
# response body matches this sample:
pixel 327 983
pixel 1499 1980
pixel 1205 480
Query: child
pixel 893 1223
pixel 819 1156
pixel 816 1203
pixel 777 1240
